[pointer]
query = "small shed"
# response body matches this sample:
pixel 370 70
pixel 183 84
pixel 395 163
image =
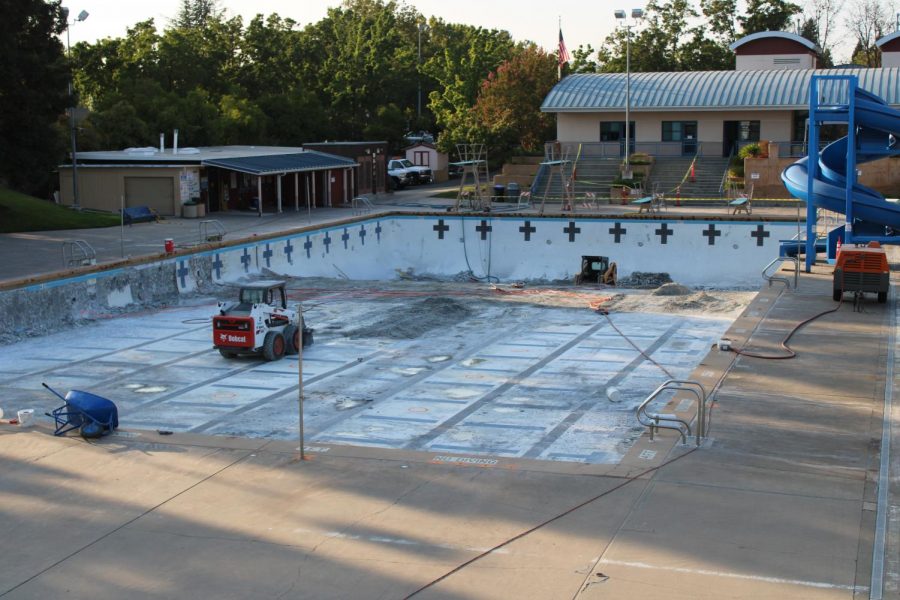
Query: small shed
pixel 426 155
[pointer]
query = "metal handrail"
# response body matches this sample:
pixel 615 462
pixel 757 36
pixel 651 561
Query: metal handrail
pixel 78 253
pixel 211 231
pixel 784 280
pixel 361 205
pixel 682 427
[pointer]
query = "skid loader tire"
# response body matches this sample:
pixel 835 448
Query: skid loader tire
pixel 291 339
pixel 273 346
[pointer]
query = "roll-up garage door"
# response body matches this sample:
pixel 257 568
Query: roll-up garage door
pixel 156 192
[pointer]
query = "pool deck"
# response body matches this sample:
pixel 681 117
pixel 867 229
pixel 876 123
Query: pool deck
pixel 781 502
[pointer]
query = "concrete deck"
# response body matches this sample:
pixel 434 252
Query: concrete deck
pixel 781 503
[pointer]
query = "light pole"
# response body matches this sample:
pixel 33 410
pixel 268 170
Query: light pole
pixel 636 13
pixel 81 17
pixel 419 76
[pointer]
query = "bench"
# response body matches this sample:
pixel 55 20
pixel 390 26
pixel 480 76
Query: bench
pixel 741 204
pixel 139 214
pixel 645 203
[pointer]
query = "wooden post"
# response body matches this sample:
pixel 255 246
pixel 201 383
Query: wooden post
pixel 279 192
pixel 296 192
pixel 259 194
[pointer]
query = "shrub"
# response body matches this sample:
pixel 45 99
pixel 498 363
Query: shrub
pixel 749 151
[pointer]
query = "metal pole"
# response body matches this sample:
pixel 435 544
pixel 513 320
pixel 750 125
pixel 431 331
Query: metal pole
pixel 300 392
pixel 627 97
pixel 75 204
pixel 122 226
pixel 419 77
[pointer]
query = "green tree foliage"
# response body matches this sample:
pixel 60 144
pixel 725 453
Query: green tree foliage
pixel 509 102
pixel 468 55
pixel 196 14
pixel 34 72
pixel 767 15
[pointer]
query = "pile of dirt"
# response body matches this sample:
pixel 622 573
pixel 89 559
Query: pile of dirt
pixel 701 301
pixel 411 321
pixel 719 302
pixel 672 289
pixel 640 280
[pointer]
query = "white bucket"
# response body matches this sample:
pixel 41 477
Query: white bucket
pixel 26 417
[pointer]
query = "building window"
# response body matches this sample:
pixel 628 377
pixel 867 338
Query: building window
pixel 748 131
pixel 613 131
pixel 677 131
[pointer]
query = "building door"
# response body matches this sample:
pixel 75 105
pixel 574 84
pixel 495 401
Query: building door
pixel 737 134
pixel 156 192
pixel 681 131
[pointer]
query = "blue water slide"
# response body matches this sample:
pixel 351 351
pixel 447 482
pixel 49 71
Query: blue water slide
pixel 878 130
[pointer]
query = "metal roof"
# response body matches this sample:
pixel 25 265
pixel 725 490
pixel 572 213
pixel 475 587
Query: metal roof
pixel 309 160
pixel 184 155
pixel 786 89
pixel 781 35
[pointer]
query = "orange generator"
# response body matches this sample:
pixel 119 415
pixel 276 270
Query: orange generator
pixel 862 270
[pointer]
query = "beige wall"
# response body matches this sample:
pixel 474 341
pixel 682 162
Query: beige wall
pixel 585 127
pixel 102 188
pixel 890 59
pixel 767 62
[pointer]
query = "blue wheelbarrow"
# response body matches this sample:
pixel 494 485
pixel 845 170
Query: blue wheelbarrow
pixel 93 415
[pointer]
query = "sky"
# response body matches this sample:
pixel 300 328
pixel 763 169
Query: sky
pixel 535 20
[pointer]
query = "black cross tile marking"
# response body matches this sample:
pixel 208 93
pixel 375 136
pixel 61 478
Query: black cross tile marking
pixel 528 229
pixel 217 265
pixel 345 238
pixel 362 234
pixel 572 230
pixel 712 233
pixel 378 232
pixel 288 250
pixel 664 232
pixel 484 229
pixel 441 228
pixel 245 260
pixel 618 231
pixel 760 234
pixel 183 272
pixel 308 247
pixel 267 254
pixel 327 242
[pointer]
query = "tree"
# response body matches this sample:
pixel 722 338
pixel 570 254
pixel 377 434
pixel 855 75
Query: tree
pixel 582 61
pixel 468 54
pixel 509 103
pixel 35 73
pixel 869 20
pixel 767 15
pixel 197 14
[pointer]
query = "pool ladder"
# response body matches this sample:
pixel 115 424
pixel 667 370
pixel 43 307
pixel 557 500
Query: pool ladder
pixel 657 421
pixel 78 253
pixel 787 282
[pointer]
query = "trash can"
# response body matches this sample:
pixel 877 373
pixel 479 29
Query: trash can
pixel 513 191
pixel 499 192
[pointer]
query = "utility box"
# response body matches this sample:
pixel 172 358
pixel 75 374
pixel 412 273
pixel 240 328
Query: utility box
pixel 862 270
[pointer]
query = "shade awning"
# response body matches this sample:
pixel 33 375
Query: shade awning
pixel 282 163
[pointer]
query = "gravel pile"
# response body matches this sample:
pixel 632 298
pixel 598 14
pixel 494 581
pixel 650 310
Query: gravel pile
pixel 411 321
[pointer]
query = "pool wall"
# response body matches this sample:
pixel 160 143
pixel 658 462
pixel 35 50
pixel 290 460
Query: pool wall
pixel 699 253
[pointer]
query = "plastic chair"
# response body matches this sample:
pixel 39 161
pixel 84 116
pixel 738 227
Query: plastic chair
pixel 92 414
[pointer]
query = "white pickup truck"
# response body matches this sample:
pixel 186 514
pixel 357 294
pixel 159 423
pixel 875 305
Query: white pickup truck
pixel 415 174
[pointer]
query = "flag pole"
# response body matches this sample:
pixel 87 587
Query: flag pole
pixel 559 51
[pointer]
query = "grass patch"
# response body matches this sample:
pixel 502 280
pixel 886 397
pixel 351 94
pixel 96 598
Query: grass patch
pixel 19 213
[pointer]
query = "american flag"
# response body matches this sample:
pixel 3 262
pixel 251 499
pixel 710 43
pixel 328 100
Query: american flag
pixel 564 55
